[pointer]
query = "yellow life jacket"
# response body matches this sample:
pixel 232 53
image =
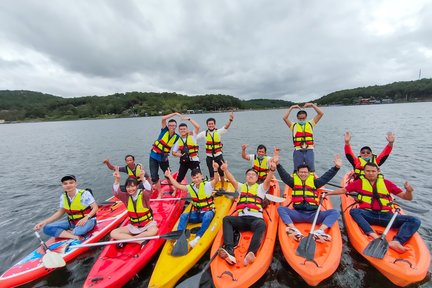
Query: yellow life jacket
pixel 303 135
pixel 304 195
pixel 213 143
pixel 139 215
pixel 164 144
pixel 381 194
pixel 261 167
pixel 200 201
pixel 191 146
pixel 75 209
pixel 134 173
pixel 249 199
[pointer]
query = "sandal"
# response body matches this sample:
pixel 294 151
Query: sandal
pixel 294 233
pixel 320 236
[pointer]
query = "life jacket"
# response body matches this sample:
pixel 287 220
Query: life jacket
pixel 380 194
pixel 134 173
pixel 200 201
pixel 213 142
pixel 164 144
pixel 359 169
pixel 75 209
pixel 261 167
pixel 249 199
pixel 304 195
pixel 303 135
pixel 139 215
pixel 191 146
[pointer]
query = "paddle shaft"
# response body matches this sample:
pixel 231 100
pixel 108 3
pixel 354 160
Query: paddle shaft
pixel 317 213
pixel 117 241
pixel 389 225
pixel 41 241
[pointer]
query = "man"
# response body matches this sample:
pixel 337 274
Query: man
pixel 80 207
pixel 303 136
pixel 132 169
pixel 137 201
pixel 187 149
pixel 250 218
pixel 203 208
pixel 260 161
pixel 214 144
pixel 305 200
pixel 375 207
pixel 366 155
pixel 161 148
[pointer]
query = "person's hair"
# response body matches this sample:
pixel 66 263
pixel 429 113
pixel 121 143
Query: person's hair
pixel 301 112
pixel 211 119
pixel 172 120
pixel 367 148
pixel 261 146
pixel 195 172
pixel 371 164
pixel 131 181
pixel 129 155
pixel 183 125
pixel 251 169
pixel 303 166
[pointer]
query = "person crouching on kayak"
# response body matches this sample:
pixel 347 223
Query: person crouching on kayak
pixel 305 200
pixel 250 218
pixel 137 201
pixel 203 208
pixel 375 207
pixel 80 207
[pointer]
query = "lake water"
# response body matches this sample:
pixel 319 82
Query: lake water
pixel 34 156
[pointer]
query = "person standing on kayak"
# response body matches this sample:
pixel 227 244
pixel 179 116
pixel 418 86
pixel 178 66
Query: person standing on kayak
pixel 137 201
pixel 260 161
pixel 132 169
pixel 375 206
pixel 80 207
pixel 186 148
pixel 161 148
pixel 203 208
pixel 214 145
pixel 250 209
pixel 303 136
pixel 366 155
pixel 305 200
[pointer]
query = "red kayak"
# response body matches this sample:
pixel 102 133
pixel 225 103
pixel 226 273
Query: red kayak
pixel 116 266
pixel 30 268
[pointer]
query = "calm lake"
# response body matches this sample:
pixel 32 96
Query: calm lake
pixel 34 156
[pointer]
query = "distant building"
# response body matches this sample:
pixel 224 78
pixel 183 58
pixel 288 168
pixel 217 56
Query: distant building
pixel 2 121
pixel 386 101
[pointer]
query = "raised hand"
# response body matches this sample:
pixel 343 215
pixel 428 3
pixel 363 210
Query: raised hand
pixel 408 187
pixel 244 146
pixel 116 174
pixel 306 105
pixel 224 166
pixel 338 161
pixel 105 161
pixel 215 166
pixel 347 137
pixel 231 116
pixel 168 173
pixel 390 137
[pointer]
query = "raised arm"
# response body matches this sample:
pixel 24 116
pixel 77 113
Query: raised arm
pixel 231 118
pixel 286 115
pixel 285 176
pixel 216 177
pixel 195 124
pixel 108 164
pixel 166 117
pixel 244 155
pixel 324 179
pixel 349 154
pixel 229 176
pixel 319 112
pixel 174 182
pixel 270 174
pixel 382 157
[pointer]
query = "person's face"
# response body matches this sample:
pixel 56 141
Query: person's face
pixel 371 173
pixel 365 153
pixel 131 188
pixel 196 179
pixel 251 177
pixel 129 161
pixel 301 117
pixel 172 126
pixel 303 173
pixel 261 152
pixel 183 130
pixel 211 125
pixel 69 185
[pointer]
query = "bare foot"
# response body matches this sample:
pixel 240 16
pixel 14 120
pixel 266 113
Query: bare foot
pixel 373 235
pixel 398 247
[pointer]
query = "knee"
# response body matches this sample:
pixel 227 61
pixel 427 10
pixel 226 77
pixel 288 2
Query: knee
pixel 335 213
pixel 208 215
pixel 355 212
pixel 416 222
pixel 184 216
pixel 281 210
pixel 261 225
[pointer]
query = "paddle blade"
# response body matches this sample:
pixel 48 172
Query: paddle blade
pixel 377 248
pixel 173 235
pixel 53 260
pixel 306 248
pixel 181 246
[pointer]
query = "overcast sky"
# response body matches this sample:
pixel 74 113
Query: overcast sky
pixel 290 50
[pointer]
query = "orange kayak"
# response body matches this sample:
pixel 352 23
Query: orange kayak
pixel 245 276
pixel 327 255
pixel 401 269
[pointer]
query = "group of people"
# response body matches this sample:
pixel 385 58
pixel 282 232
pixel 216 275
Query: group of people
pixel 374 192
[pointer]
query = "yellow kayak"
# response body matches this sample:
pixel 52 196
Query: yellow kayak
pixel 169 269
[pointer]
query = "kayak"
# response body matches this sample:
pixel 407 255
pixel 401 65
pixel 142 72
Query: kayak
pixel 327 255
pixel 401 269
pixel 238 275
pixel 169 269
pixel 109 215
pixel 115 266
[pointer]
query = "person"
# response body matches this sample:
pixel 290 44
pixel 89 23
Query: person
pixel 80 207
pixel 214 144
pixel 366 155
pixel 161 148
pixel 250 218
pixel 260 161
pixel 187 149
pixel 303 135
pixel 375 206
pixel 305 200
pixel 203 207
pixel 132 169
pixel 137 201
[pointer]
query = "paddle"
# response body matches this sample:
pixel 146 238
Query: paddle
pixel 307 246
pixel 274 198
pixel 377 248
pixel 181 245
pixel 173 235
pixel 197 280
pixel 50 259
